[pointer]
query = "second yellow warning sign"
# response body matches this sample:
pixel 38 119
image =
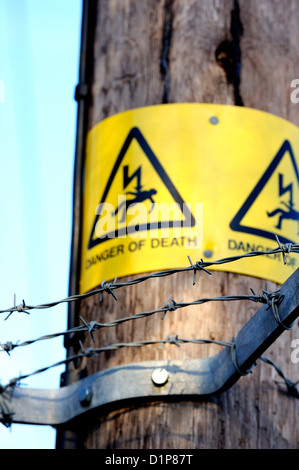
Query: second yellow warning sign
pixel 206 181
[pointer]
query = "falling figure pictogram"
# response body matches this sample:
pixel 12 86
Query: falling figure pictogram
pixel 139 195
pixel 290 213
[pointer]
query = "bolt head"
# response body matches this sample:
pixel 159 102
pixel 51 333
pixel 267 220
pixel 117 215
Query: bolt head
pixel 85 396
pixel 208 253
pixel 160 377
pixel 214 120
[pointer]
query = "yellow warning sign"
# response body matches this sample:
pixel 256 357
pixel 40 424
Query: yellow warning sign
pixel 206 181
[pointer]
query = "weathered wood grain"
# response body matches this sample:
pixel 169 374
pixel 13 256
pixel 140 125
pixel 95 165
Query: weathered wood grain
pixel 270 56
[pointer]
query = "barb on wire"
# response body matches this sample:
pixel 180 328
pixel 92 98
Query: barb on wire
pixel 111 287
pixel 170 306
pixel 90 326
pixel 18 308
pixel 285 249
pixel 199 265
pixel 108 287
pixel 7 347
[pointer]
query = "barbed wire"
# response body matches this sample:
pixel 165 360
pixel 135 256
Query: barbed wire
pixel 272 299
pixel 175 340
pixel 93 352
pixel 91 326
pixel 110 287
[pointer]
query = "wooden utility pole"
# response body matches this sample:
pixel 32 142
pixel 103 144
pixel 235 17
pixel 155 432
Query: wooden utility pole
pixel 149 52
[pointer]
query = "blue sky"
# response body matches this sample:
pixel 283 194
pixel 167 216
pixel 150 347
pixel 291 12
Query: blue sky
pixel 39 63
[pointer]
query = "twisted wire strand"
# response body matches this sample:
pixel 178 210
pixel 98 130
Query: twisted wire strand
pixel 290 385
pixel 93 352
pixel 92 326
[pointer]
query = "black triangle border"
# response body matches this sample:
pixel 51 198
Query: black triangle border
pixel 236 221
pixel 135 133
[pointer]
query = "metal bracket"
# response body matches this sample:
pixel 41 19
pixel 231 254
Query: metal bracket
pixel 196 378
